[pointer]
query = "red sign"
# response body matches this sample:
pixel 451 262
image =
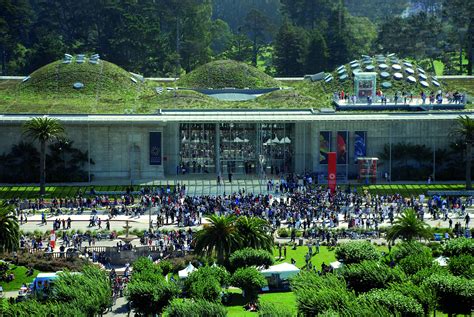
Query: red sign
pixel 332 160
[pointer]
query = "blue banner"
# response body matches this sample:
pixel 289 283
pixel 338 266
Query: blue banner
pixel 155 148
pixel 360 148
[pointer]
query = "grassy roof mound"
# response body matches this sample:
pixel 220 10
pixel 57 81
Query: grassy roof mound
pixel 227 73
pixel 58 78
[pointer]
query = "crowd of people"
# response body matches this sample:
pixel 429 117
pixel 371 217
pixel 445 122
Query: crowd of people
pixel 403 97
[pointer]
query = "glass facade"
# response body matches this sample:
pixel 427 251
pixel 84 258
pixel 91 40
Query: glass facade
pixel 243 148
pixel 238 148
pixel 277 147
pixel 197 148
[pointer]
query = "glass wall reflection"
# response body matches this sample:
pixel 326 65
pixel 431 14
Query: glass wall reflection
pixel 197 148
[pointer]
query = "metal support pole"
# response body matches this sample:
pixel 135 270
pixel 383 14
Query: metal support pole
pixel 390 159
pixel 89 149
pixel 434 160
pixel 218 150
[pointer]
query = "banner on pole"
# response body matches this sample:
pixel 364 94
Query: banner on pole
pixel 360 148
pixel 342 154
pixel 324 146
pixel 332 162
pixel 155 148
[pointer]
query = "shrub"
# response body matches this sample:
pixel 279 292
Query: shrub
pixel 368 275
pixel 250 257
pixel 419 277
pixel 462 265
pixel 405 249
pixel 45 263
pixel 250 281
pixel 194 308
pixel 459 246
pixel 317 294
pixel 150 296
pixel 35 308
pixel 415 262
pixel 356 252
pixel 206 283
pixel 283 233
pixel 205 288
pixel 143 264
pixel 424 295
pixel 455 294
pixel 89 291
pixel 166 267
pixel 394 301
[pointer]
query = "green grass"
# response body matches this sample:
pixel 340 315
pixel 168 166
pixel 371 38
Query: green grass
pixel 284 299
pixel 30 192
pixel 20 278
pixel 408 189
pixel 111 91
pixel 227 73
pixel 324 255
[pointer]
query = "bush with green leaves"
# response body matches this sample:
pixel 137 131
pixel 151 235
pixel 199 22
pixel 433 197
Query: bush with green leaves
pixel 143 264
pixel 415 262
pixel 194 308
pixel 206 283
pixel 317 294
pixel 166 267
pixel 40 309
pixel 367 275
pixel 459 246
pixel 419 277
pixel 405 249
pixel 89 291
pixel 462 265
pixel 250 257
pixel 283 233
pixel 394 301
pixel 455 295
pixel 250 281
pixel 148 290
pixel 424 295
pixel 356 252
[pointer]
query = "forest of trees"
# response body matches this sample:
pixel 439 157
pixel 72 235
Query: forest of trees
pixel 283 37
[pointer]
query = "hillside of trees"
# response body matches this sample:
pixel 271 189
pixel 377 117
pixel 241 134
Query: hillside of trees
pixel 282 37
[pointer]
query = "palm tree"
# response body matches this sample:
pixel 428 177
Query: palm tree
pixel 44 130
pixel 220 237
pixel 9 229
pixel 255 233
pixel 407 227
pixel 465 131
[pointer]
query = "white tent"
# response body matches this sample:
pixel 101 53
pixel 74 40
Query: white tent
pixel 285 270
pixel 336 265
pixel 442 260
pixel 186 271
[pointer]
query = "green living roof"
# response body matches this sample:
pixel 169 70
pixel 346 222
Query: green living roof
pixel 108 88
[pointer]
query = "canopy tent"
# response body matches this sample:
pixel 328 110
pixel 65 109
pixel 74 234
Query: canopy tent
pixel 442 260
pixel 284 270
pixel 336 265
pixel 184 273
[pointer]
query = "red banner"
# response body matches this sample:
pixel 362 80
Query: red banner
pixel 332 161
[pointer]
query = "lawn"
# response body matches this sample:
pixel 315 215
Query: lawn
pixel 407 189
pixel 9 192
pixel 286 300
pixel 20 278
pixel 325 255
